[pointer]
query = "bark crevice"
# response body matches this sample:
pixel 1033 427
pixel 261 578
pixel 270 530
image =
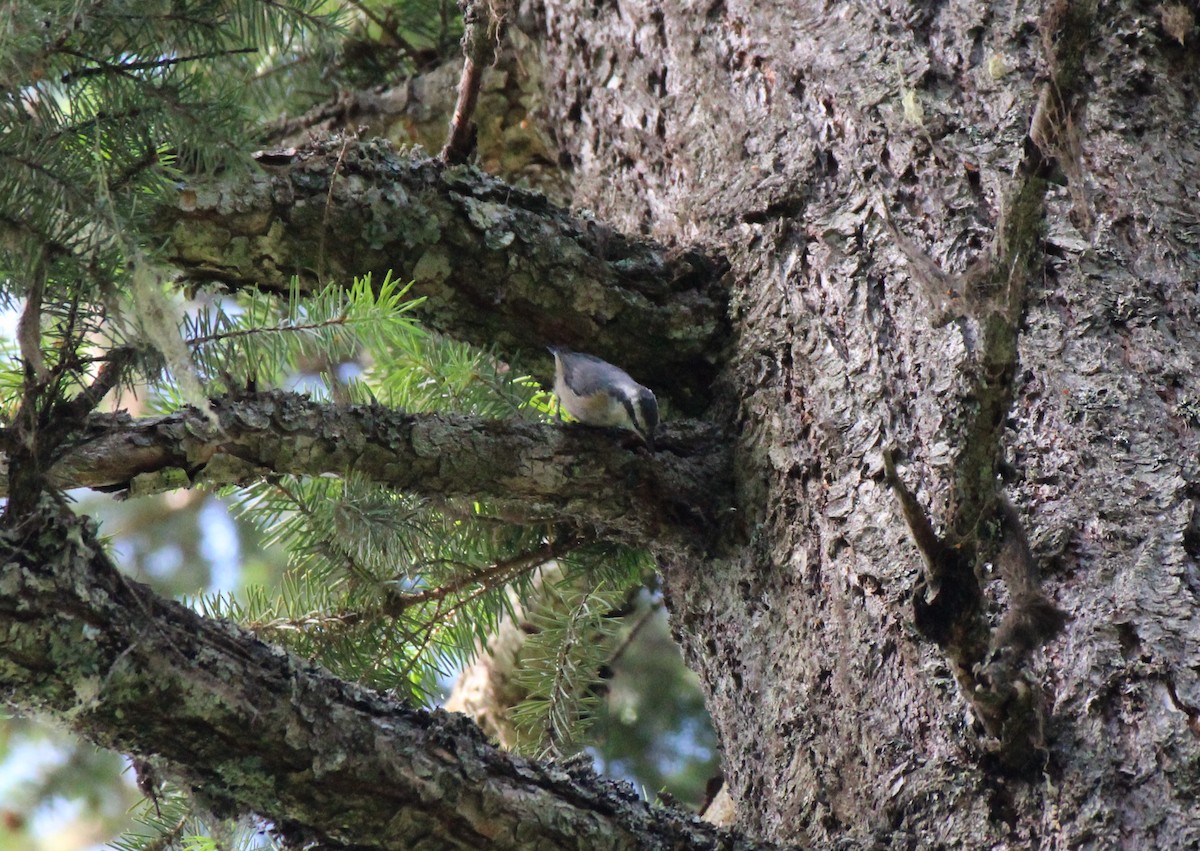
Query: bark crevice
pixel 981 524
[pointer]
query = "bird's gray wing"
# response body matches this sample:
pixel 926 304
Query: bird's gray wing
pixel 587 374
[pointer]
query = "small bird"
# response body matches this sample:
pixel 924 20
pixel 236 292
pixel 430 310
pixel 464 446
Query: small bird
pixel 599 394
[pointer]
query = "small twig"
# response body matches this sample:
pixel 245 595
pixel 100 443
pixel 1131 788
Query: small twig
pixel 1032 619
pixel 620 649
pixel 29 328
pixel 481 34
pixel 148 159
pixel 927 541
pixel 75 409
pixel 102 67
pixel 443 26
pixel 490 577
pixel 148 782
pixel 337 166
pixel 220 336
pixel 943 290
pixel 329 624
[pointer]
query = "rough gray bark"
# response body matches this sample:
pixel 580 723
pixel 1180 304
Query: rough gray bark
pixel 673 498
pixel 778 131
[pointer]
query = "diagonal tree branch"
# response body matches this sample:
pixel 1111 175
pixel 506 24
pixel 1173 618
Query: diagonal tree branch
pixel 483 24
pixel 671 499
pixel 499 265
pixel 251 728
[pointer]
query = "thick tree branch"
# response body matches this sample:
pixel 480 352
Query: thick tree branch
pixel 251 728
pixel 671 499
pixel 499 265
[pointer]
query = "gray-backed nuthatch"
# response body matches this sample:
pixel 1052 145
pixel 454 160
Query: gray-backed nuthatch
pixel 599 394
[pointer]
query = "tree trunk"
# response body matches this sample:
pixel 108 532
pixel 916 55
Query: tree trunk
pixel 791 136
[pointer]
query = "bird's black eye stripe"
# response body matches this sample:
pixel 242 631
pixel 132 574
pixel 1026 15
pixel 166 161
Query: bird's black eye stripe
pixel 649 411
pixel 633 418
pixel 642 415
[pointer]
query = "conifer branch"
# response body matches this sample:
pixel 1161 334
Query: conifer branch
pixel 129 68
pixel 309 748
pixel 490 578
pixel 673 498
pixel 387 27
pixel 289 328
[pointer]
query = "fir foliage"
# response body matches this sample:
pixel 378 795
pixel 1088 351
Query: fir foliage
pixel 105 107
pixel 257 339
pixel 171 821
pixel 382 588
pixel 160 824
pixel 573 630
pixel 12 378
pixel 392 40
pixel 106 104
pixel 392 590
